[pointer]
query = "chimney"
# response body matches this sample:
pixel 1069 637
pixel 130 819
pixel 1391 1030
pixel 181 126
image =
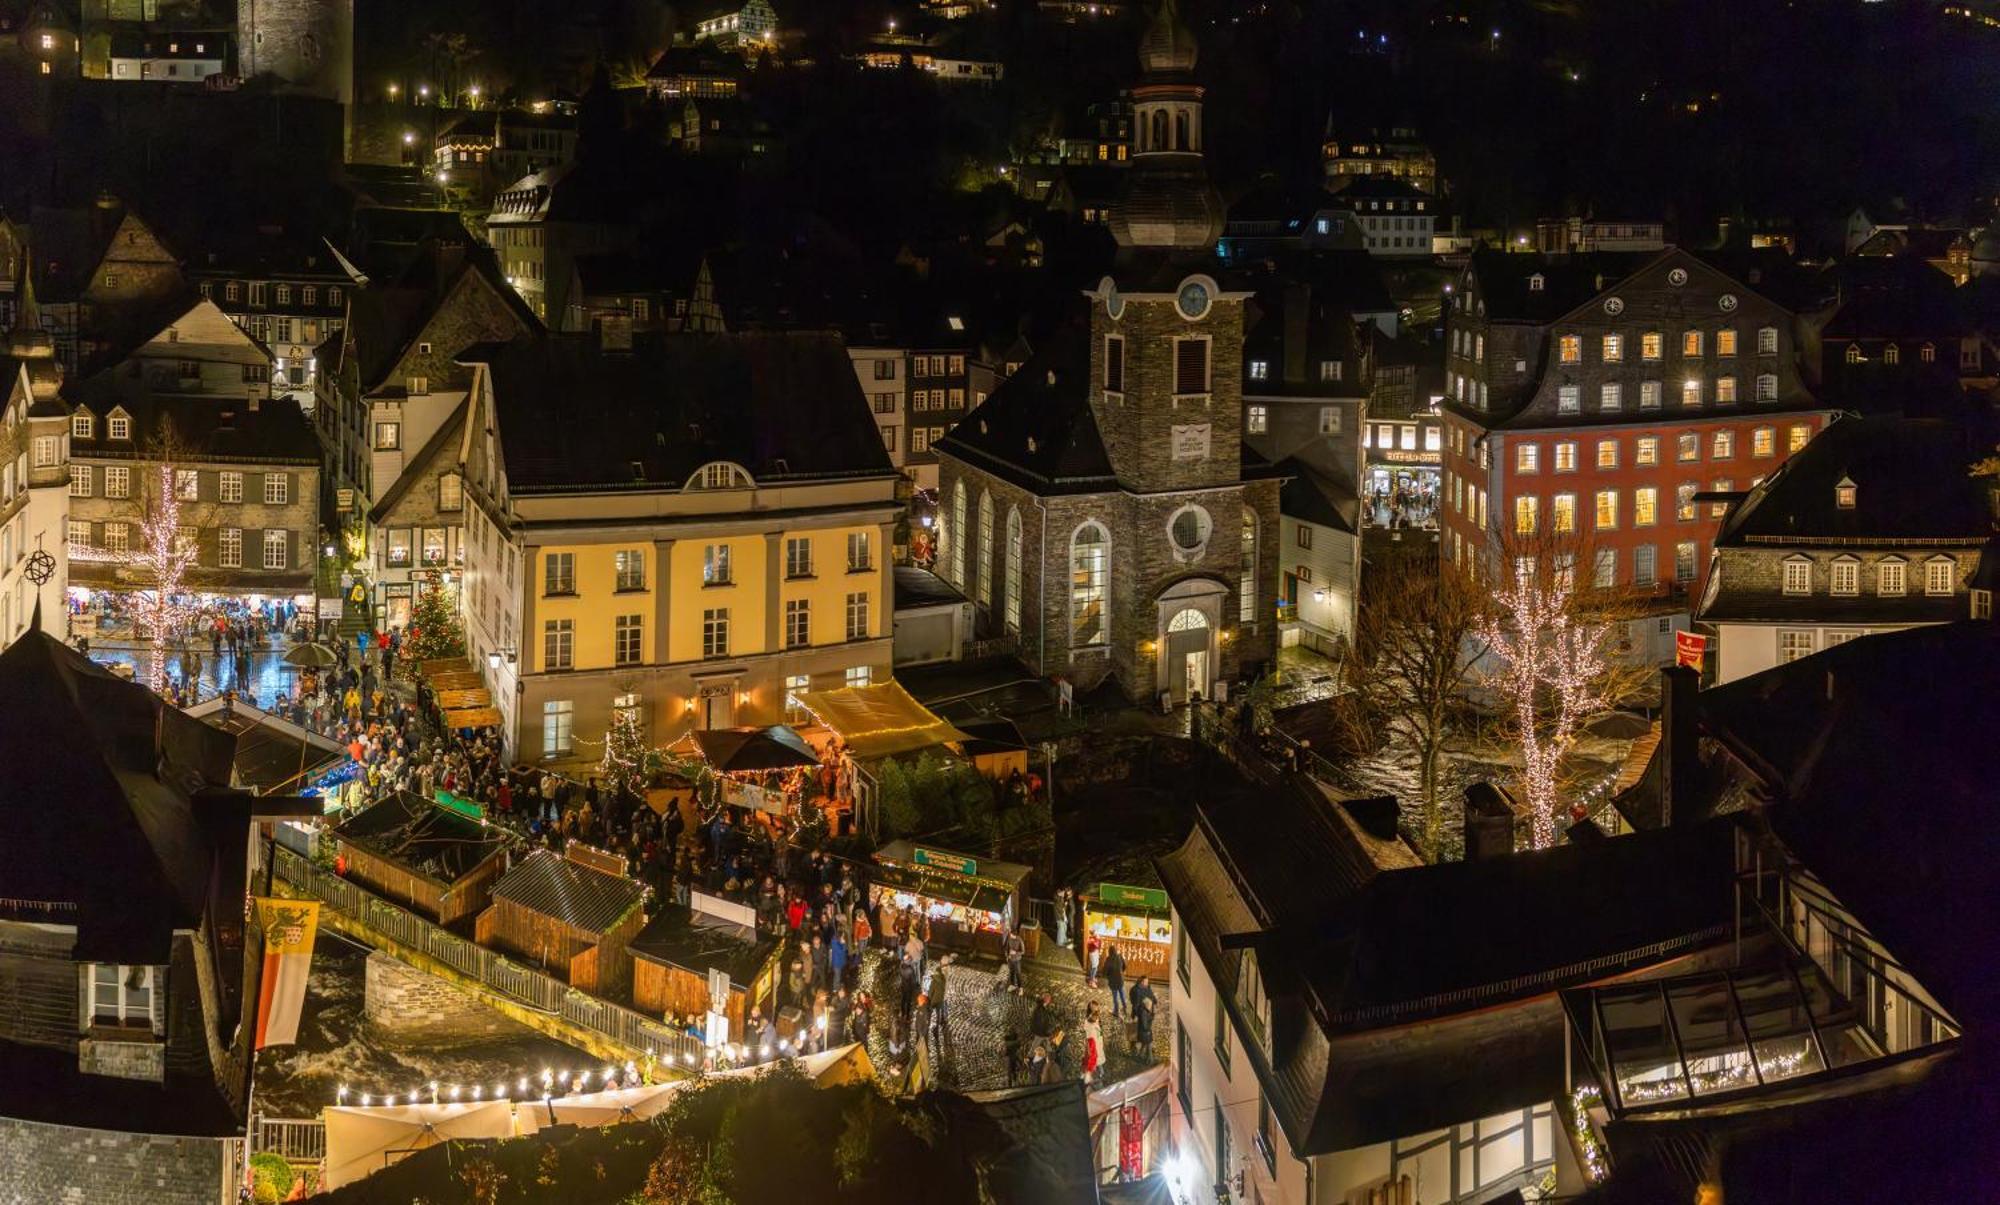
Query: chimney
pixel 1489 823
pixel 1376 814
pixel 1679 751
pixel 1298 304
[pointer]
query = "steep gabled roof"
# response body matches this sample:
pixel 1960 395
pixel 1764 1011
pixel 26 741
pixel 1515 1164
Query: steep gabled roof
pixel 1911 479
pixel 1037 429
pixel 545 882
pixel 417 467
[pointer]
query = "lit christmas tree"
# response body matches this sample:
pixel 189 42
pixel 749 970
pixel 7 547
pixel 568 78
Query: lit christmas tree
pixel 434 627
pixel 623 766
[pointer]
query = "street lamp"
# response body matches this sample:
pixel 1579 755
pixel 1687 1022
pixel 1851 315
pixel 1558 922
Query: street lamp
pixel 473 92
pixel 493 660
pixel 409 137
pixel 392 91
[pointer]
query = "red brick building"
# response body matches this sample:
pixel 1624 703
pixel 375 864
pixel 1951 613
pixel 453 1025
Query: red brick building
pixel 1599 394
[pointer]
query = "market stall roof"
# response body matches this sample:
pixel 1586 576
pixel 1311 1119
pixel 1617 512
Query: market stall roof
pixel 424 838
pixel 697 942
pixel 583 898
pixel 464 700
pixel 473 717
pixel 273 755
pixel 741 750
pixel 446 665
pixel 457 680
pixel 878 721
pixel 926 858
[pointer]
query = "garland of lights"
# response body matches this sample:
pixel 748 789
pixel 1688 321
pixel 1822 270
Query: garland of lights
pixel 561 1083
pixel 1596 1162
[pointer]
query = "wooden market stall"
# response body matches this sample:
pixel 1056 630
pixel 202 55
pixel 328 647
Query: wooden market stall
pixel 870 724
pixel 995 748
pixel 569 914
pixel 757 767
pixel 433 859
pixel 1137 921
pixel 683 953
pixel 971 903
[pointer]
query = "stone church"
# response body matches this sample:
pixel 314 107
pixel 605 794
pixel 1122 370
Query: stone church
pixel 1101 505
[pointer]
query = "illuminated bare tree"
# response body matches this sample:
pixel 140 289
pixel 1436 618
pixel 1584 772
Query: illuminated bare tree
pixel 167 552
pixel 1552 665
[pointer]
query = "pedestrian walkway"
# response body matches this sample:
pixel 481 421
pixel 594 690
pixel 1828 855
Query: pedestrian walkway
pixel 980 1010
pixel 268 678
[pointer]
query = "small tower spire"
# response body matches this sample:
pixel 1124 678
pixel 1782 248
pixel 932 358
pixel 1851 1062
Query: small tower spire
pixel 28 339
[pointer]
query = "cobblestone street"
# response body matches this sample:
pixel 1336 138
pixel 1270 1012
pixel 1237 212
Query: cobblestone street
pixel 980 1010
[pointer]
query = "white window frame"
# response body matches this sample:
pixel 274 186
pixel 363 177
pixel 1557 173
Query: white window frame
pixel 1797 579
pixel 277 548
pixel 277 489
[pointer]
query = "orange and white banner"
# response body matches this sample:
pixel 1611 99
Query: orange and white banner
pixel 1689 648
pixel 288 927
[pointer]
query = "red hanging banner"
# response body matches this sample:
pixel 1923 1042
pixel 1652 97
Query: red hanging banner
pixel 1688 649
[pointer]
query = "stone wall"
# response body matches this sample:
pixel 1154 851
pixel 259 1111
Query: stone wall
pixel 407 1003
pixel 60 1165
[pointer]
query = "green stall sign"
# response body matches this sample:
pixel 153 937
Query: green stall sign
pixel 938 859
pixel 1154 898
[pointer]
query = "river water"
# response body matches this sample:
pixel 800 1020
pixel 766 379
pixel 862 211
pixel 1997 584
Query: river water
pixel 337 1046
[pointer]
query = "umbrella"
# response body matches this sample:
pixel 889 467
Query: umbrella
pixel 311 655
pixel 734 750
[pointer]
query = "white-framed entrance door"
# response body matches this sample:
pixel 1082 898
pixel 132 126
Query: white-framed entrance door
pixel 1190 642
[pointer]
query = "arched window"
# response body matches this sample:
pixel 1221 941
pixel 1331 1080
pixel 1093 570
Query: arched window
pixel 1089 587
pixel 1181 140
pixel 1012 614
pixel 1159 139
pixel 957 534
pixel 719 475
pixel 983 571
pixel 1189 620
pixel 1246 590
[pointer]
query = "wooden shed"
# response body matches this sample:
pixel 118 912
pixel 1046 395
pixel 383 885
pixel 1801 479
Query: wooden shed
pixel 673 957
pixel 428 857
pixel 572 919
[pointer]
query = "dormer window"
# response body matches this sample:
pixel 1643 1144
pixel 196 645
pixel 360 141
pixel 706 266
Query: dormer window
pixel 83 425
pixel 719 475
pixel 118 426
pixel 1260 370
pixel 1535 283
pixel 1844 493
pixel 1798 575
pixel 1250 998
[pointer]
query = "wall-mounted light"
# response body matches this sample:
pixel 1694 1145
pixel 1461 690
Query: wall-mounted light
pixel 493 659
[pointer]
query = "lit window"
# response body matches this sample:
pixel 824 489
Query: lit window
pixel 1798 576
pixel 1652 345
pixel 1853 353
pixel 1718 509
pixel 1691 345
pixel 629 569
pixel 1570 349
pixel 1844 494
pixel 1527 458
pixel 1564 514
pixel 1689 447
pixel 1256 420
pixel 1725 389
pixel 1329 420
pixel 1798 436
pixel 1846 577
pixel 1892 354
pixel 1260 370
pixel 715 565
pixel 1607 453
pixel 858 676
pixel 1527 513
pixel 1684 554
pixel 277 548
pixel 1566 456
pixel 1724 445
pixel 1691 392
pixel 1684 501
pixel 1764 442
pixel 1614 349
pixel 1647 450
pixel 118 427
pixel 120 996
pixel 558 716
pixel 1891 579
pixel 1940 576
pixel 1645 506
pixel 1607 510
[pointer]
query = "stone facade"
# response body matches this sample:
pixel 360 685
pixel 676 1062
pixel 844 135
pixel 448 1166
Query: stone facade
pixel 60 1165
pixel 410 1005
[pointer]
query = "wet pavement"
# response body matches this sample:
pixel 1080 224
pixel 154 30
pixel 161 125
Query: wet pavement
pixel 980 1010
pixel 269 675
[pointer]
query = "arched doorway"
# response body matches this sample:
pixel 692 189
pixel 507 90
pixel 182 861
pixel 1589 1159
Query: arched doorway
pixel 1190 661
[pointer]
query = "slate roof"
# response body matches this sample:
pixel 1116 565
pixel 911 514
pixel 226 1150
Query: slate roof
pixel 1880 760
pixel 696 942
pixel 1898 298
pixel 784 406
pixel 1348 949
pixel 1294 327
pixel 921 588
pixel 423 837
pixel 1504 281
pixel 221 429
pixel 116 806
pixel 550 884
pixel 1911 483
pixel 1318 499
pixel 1037 430
pixel 699 60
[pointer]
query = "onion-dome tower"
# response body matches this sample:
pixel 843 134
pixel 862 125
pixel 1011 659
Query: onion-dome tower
pixel 1169 201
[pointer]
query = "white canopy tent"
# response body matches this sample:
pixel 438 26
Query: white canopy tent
pixel 363 1141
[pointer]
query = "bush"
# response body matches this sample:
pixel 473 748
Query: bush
pixel 271 1178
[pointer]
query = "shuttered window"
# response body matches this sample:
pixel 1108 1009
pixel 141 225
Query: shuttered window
pixel 1191 366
